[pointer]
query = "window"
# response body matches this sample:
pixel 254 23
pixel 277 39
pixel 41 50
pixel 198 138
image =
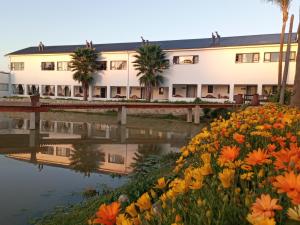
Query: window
pixel 48 90
pixel 118 90
pixel 17 66
pixel 189 59
pixel 173 91
pixel 64 91
pixel 63 66
pixel 274 56
pixel 48 65
pixel 18 89
pixel 210 89
pixel 118 65
pixel 247 58
pixel 61 151
pixel 161 91
pixel 117 159
pixel 3 87
pixel 102 65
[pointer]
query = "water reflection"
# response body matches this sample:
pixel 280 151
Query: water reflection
pixel 85 147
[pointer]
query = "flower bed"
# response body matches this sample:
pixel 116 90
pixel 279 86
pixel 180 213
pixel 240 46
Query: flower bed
pixel 244 170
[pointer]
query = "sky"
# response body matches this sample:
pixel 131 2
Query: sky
pixel 25 23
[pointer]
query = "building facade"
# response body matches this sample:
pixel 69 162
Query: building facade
pixel 213 70
pixel 5 84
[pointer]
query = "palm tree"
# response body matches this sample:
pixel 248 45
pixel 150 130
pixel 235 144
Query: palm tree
pixel 284 6
pixel 295 101
pixel 84 64
pixel 150 63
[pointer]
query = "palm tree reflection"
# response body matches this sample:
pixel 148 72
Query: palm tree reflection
pixel 86 159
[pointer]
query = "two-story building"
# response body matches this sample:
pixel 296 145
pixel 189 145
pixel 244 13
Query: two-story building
pixel 213 70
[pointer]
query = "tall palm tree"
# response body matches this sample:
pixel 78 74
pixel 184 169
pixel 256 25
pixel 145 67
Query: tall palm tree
pixel 84 64
pixel 284 6
pixel 150 63
pixel 295 101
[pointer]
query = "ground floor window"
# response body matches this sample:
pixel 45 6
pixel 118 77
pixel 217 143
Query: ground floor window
pixel 64 91
pixel 118 92
pixel 99 92
pixel 184 91
pixel 215 91
pixel 33 89
pixel 78 91
pixel 48 90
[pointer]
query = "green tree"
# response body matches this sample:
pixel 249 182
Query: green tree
pixel 284 6
pixel 150 62
pixel 84 64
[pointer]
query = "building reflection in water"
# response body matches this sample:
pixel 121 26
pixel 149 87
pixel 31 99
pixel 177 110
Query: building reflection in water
pixel 84 147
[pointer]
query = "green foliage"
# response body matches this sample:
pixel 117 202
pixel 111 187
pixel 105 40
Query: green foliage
pixel 287 97
pixel 150 63
pixel 84 64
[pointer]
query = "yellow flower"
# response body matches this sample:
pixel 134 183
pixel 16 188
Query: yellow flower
pixel 247 176
pixel 161 183
pixel 260 220
pixel 153 194
pixel 226 177
pixel 123 220
pixel 131 210
pixel 205 158
pixel 294 213
pixel 144 202
pixel 206 169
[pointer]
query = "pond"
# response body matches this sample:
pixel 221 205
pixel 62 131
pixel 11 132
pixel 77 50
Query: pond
pixel 72 152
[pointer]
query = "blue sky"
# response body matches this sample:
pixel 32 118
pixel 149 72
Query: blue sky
pixel 59 22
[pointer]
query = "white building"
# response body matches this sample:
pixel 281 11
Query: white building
pixel 4 84
pixel 198 68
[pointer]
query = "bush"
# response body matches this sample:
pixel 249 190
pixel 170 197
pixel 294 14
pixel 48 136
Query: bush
pixel 242 170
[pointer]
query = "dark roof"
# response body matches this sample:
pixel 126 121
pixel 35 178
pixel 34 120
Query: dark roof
pixel 263 39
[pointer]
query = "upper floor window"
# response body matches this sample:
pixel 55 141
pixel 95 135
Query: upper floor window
pixel 17 66
pixel 247 58
pixel 274 56
pixel 48 65
pixel 187 59
pixel 118 65
pixel 102 65
pixel 63 66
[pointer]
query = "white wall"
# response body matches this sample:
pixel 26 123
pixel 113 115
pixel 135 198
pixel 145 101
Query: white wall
pixel 216 66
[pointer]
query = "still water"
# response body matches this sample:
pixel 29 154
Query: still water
pixel 70 152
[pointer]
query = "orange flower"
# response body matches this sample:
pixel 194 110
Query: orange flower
pixel 107 214
pixel 265 206
pixel 271 147
pixel 257 157
pixel 290 184
pixel 287 159
pixel 278 126
pixel 229 154
pixel 239 138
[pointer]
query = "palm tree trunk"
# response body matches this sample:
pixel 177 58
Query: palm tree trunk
pixel 295 101
pixel 287 62
pixel 148 93
pixel 282 36
pixel 85 90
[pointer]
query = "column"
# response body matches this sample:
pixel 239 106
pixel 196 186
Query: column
pixel 34 120
pixel 189 116
pixel 56 91
pixel 199 91
pixel 122 115
pixel 170 92
pixel 231 93
pixel 197 114
pixel 72 91
pixel 108 92
pixel 90 93
pixel 259 89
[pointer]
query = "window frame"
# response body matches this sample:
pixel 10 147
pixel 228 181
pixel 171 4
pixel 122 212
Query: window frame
pixel 45 69
pixel 176 59
pixel 242 54
pixel 100 64
pixel 114 61
pixel 210 87
pixel 68 66
pixel 283 57
pixel 13 68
